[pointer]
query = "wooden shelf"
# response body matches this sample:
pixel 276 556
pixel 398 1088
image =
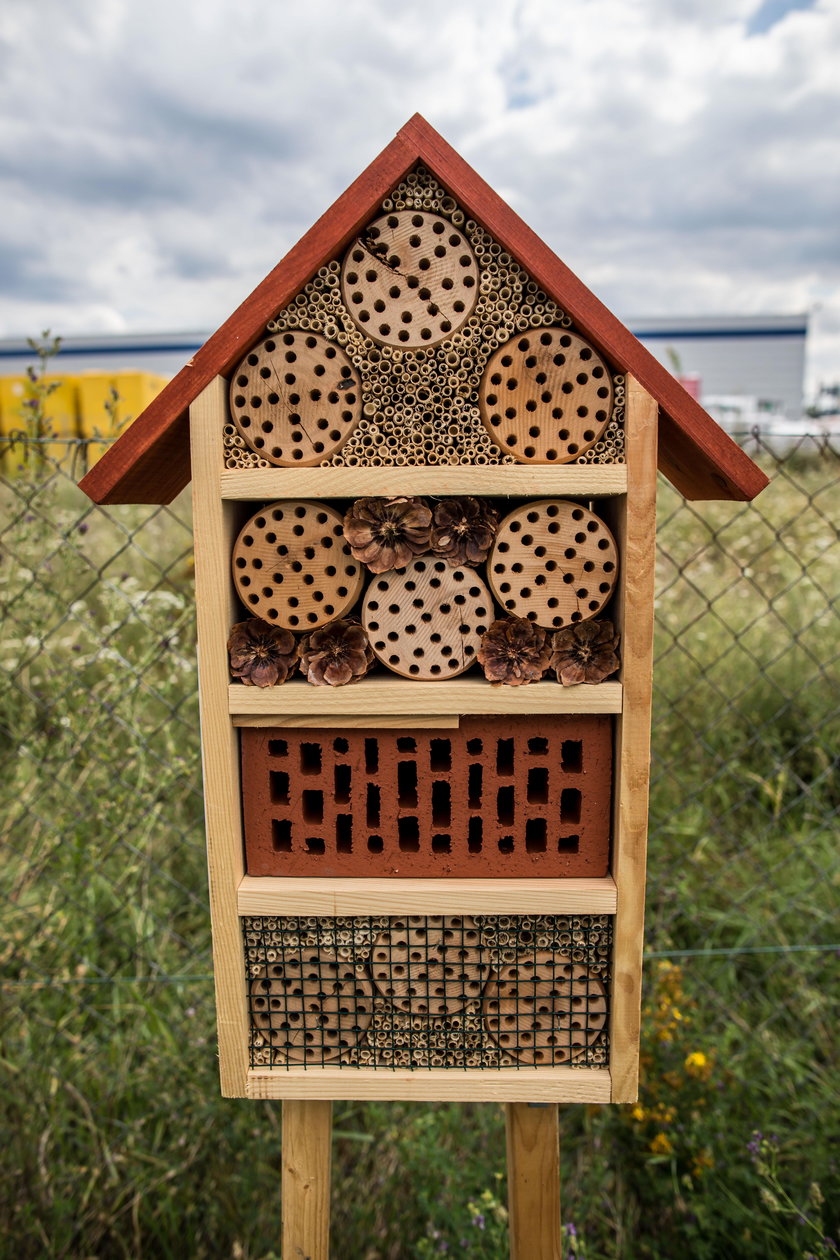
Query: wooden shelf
pixel 581 480
pixel 402 696
pixel 269 894
pixel 514 1084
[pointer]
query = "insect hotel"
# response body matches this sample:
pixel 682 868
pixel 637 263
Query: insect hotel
pixel 423 459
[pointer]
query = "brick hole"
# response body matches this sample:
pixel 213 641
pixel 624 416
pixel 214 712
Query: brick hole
pixel 441 844
pixel 571 755
pixel 371 756
pixel 344 833
pixel 474 785
pixel 310 758
pixel 568 844
pixel 281 835
pixel 313 807
pixel 535 835
pixel 315 844
pixel 504 756
pixel 340 745
pixel 505 807
pixel 475 747
pixel 406 743
pixel 570 805
pixel 279 784
pixel 475 835
pixel 538 785
pixel 506 844
pixel 407 784
pixel 539 746
pixel 277 748
pixel 341 779
pixel 375 844
pixel 408 830
pixel 373 805
pixel 441 804
pixel 440 753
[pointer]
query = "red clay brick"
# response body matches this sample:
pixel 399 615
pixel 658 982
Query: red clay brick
pixel 499 797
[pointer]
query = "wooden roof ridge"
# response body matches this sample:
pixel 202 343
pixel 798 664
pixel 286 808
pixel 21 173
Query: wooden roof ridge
pixel 150 462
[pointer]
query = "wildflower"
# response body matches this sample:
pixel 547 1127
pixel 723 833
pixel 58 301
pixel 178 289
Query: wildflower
pixel 661 1145
pixel 696 1064
pixel 639 1114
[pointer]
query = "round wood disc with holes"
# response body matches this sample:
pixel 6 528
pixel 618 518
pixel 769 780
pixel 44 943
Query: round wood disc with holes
pixel 296 398
pixel 426 621
pixel 544 1009
pixel 554 562
pixel 410 279
pixel 546 396
pixel 429 965
pixel 293 567
pixel 311 1007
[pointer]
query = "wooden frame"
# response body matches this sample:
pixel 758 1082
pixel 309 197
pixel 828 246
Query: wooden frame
pixel 224 705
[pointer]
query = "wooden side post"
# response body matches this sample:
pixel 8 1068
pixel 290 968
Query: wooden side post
pixel 636 532
pixel 215 613
pixel 533 1168
pixel 307 1149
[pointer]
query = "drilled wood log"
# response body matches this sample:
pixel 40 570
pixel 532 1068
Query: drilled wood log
pixel 293 567
pixel 554 562
pixel 546 396
pixel 410 279
pixel 311 1006
pixel 544 1009
pixel 295 398
pixel 426 621
pixel 429 965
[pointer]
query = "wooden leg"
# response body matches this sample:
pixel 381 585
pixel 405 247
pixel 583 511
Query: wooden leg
pixel 533 1167
pixel 307 1147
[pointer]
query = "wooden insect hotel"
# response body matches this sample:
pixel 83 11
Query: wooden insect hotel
pixel 424 461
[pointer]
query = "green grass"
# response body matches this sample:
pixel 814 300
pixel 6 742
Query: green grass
pixel 114 1140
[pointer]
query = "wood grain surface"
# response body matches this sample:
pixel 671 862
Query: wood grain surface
pixel 295 398
pixel 553 561
pixel 292 566
pixel 410 279
pixel 546 396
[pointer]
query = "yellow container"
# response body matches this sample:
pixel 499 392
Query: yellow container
pixel 61 412
pixel 109 401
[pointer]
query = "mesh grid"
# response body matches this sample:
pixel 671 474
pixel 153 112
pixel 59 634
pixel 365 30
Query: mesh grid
pixel 426 991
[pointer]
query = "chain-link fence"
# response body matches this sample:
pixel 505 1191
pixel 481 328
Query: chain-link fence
pixel 105 949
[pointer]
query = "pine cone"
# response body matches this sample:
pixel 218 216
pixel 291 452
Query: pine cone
pixel 336 654
pixel 387 533
pixel 585 653
pixel 514 651
pixel 463 530
pixel 261 655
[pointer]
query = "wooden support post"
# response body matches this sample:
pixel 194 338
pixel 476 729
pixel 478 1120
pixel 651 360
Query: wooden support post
pixel 307 1149
pixel 533 1168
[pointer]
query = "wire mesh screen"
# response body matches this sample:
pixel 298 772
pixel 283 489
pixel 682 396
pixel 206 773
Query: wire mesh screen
pixel 429 990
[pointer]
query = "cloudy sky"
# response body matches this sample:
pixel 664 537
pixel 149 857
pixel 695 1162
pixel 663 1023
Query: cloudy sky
pixel 158 157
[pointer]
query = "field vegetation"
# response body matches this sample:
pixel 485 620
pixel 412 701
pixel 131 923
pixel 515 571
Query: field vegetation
pixel 114 1140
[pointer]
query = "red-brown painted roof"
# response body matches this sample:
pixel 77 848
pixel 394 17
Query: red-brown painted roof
pixel 150 462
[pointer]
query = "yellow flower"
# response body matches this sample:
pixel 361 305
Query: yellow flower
pixel 638 1113
pixel 698 1064
pixel 661 1145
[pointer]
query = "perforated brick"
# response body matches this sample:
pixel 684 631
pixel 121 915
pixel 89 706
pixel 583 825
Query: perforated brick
pixel 499 796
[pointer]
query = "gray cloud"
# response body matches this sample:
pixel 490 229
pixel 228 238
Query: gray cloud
pixel 156 160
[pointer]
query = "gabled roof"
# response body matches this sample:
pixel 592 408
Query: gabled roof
pixel 150 462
